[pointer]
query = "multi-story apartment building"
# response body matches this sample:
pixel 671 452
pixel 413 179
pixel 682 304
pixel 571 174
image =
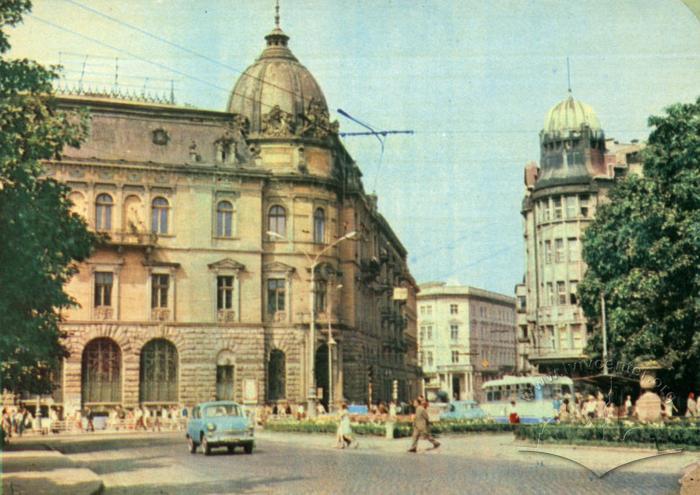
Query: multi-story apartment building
pixel 578 166
pixel 466 336
pixel 213 219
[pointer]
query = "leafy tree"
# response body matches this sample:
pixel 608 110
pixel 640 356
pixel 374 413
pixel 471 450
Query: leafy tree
pixel 643 253
pixel 40 238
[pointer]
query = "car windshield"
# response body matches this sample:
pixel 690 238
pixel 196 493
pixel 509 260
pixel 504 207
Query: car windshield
pixel 221 410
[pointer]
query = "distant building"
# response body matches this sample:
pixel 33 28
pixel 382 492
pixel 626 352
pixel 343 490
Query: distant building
pixel 578 166
pixel 202 289
pixel 466 336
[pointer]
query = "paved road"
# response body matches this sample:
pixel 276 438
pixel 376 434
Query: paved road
pixel 306 465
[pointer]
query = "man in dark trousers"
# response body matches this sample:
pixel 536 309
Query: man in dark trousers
pixel 421 426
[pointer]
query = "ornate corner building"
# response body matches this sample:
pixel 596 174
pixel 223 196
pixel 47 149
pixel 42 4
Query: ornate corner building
pixel 201 288
pixel 578 167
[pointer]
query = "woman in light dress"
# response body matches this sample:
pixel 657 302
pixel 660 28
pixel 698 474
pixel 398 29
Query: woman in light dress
pixel 344 436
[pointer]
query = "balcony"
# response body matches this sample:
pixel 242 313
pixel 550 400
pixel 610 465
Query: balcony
pixel 131 239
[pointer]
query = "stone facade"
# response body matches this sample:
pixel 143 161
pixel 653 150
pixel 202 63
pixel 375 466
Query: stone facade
pixel 190 294
pixel 466 337
pixel 578 166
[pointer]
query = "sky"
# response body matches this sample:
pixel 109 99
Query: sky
pixel 473 80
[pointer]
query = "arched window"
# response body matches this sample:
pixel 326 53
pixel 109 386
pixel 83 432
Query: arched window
pixel 277 220
pixel 276 375
pixel 158 375
pixel 159 216
pixel 101 372
pixel 319 226
pixel 224 219
pixel 103 212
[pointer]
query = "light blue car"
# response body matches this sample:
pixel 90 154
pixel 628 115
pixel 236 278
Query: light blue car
pixel 219 424
pixel 463 409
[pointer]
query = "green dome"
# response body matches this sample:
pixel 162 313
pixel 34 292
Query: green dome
pixel 570 115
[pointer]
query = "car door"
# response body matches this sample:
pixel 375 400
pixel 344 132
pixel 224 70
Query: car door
pixel 193 426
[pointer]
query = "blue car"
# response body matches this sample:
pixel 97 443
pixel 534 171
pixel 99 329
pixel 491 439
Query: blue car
pixel 219 424
pixel 463 409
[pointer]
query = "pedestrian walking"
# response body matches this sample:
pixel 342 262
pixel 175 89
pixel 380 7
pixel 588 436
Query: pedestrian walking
pixel 344 435
pixel 421 426
pixel 512 413
pixel 138 416
pixel 90 417
pixel 691 410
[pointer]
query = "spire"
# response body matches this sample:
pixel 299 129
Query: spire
pixel 277 36
pixel 568 74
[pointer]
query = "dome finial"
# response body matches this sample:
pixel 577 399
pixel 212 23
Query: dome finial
pixel 277 13
pixel 568 73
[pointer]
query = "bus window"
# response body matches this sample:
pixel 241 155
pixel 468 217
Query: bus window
pixel 547 392
pixel 489 396
pixel 497 395
pixel 526 392
pixel 566 390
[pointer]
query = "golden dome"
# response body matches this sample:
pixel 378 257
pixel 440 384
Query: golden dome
pixel 569 116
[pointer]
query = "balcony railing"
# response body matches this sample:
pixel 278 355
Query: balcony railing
pixel 121 238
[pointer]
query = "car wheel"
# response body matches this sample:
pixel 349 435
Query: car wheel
pixel 231 449
pixel 248 448
pixel 206 448
pixel 192 445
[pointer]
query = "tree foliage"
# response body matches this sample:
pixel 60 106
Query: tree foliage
pixel 643 253
pixel 40 238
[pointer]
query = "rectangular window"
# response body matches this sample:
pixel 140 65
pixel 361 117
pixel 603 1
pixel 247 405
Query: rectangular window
pixel 573 249
pixel 275 295
pixel 571 207
pixel 103 288
pixel 583 201
pixel 455 357
pixel 547 252
pixel 159 290
pixel 454 309
pixel 561 291
pixel 550 293
pixel 430 333
pixel 224 292
pixel 573 286
pixel 577 337
pixel 430 358
pixel 545 205
pixel 557 208
pixel 422 334
pixel 552 341
pixel 429 310
pixel 422 310
pixel 454 332
pixel 558 250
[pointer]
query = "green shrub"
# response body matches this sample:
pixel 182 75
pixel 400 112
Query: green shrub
pixel 401 428
pixel 661 436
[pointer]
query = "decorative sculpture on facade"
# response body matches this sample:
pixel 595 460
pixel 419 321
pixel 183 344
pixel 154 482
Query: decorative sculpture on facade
pixel 277 123
pixel 316 121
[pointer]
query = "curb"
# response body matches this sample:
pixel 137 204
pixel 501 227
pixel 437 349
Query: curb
pixel 100 489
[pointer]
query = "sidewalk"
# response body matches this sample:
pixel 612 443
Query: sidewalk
pixel 33 470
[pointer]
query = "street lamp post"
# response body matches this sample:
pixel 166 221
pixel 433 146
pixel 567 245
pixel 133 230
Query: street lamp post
pixel 314 261
pixel 331 343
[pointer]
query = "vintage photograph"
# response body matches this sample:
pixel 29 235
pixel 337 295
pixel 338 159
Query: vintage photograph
pixel 369 247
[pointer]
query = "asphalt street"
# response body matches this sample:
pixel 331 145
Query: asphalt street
pixel 162 465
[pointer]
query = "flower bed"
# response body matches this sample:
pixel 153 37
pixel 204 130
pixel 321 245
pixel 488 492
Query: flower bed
pixel 624 433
